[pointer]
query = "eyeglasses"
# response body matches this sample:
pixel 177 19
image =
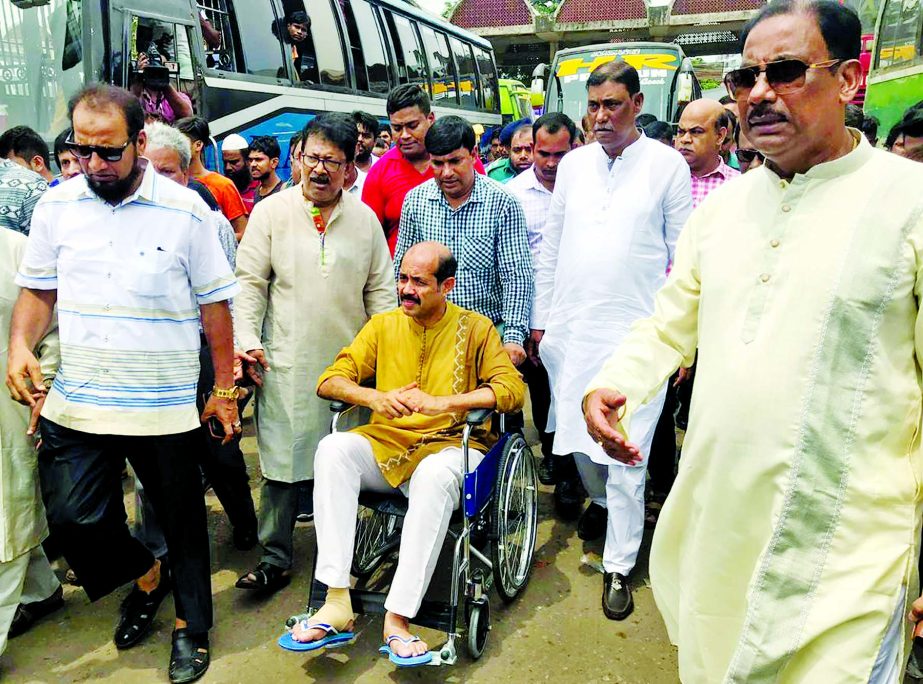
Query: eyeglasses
pixel 330 165
pixel 109 154
pixel 747 155
pixel 784 76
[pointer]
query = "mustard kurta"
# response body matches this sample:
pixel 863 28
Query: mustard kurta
pixel 791 534
pixel 459 354
pixel 22 515
pixel 301 300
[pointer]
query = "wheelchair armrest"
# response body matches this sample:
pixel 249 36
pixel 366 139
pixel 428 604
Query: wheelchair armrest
pixel 339 406
pixel 478 416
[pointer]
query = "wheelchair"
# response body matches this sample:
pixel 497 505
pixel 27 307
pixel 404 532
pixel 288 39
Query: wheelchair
pixel 493 531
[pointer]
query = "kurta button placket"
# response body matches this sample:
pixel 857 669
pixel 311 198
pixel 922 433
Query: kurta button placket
pixel 786 208
pixel 774 243
pixel 764 278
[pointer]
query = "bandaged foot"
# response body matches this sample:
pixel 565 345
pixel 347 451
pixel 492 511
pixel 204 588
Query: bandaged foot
pixel 337 612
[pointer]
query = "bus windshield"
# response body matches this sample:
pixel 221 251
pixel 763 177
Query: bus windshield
pixel 656 65
pixel 41 61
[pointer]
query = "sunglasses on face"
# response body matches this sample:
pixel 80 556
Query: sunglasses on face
pixel 747 155
pixel 784 76
pixel 109 154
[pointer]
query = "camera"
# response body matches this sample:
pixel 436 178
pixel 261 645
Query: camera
pixel 155 76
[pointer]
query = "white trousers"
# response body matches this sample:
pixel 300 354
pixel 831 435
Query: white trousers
pixel 620 490
pixel 28 578
pixel 343 466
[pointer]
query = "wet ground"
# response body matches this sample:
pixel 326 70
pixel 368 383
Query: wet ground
pixel 555 631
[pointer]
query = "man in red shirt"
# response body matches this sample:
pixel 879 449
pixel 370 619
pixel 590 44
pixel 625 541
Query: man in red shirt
pixel 406 165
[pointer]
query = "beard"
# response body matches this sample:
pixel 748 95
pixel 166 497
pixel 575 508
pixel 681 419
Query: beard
pixel 241 178
pixel 363 155
pixel 117 190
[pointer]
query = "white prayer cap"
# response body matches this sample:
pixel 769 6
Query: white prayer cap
pixel 234 142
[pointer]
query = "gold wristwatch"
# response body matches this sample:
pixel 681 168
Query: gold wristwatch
pixel 230 393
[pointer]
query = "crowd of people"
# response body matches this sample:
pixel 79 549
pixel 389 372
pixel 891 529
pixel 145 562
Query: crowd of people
pixel 763 252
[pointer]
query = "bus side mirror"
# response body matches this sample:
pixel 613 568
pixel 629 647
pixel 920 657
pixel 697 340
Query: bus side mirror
pixel 684 88
pixel 538 79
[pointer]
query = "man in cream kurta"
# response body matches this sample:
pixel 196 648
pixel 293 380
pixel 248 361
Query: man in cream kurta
pixel 25 574
pixel 305 293
pixel 787 550
pixel 617 209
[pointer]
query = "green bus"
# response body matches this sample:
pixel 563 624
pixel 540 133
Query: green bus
pixel 896 78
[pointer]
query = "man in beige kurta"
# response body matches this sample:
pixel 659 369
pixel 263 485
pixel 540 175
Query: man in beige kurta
pixel 787 549
pixel 310 281
pixel 25 576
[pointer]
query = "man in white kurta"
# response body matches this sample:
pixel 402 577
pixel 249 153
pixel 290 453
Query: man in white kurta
pixel 25 574
pixel 608 242
pixel 787 549
pixel 305 294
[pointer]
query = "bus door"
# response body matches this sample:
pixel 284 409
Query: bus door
pixel 153 52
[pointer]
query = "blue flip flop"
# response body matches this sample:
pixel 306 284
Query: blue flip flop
pixel 331 639
pixel 409 661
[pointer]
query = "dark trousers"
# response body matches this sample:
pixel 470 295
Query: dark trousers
pixel 81 479
pixel 278 510
pixel 661 464
pixel 223 464
pixel 536 377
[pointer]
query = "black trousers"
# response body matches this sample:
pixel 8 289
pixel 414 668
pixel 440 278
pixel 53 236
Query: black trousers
pixel 661 464
pixel 536 377
pixel 223 464
pixel 81 480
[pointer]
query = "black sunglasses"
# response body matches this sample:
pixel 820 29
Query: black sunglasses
pixel 109 154
pixel 784 76
pixel 747 155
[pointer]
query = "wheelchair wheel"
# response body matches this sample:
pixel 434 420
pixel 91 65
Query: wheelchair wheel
pixel 514 518
pixel 478 627
pixel 373 531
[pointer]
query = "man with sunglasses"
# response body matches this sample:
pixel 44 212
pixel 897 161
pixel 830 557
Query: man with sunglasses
pixel 787 548
pixel 313 266
pixel 747 156
pixel 123 254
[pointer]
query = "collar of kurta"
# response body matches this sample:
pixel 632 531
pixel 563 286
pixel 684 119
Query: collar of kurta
pixel 451 316
pixel 146 191
pixel 337 208
pixel 635 148
pixel 841 166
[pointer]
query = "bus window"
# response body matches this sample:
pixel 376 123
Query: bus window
pixel 411 65
pixel 468 93
pixel 160 69
pixel 259 34
pixel 326 31
pixel 354 47
pixel 41 62
pixel 442 71
pixel 373 45
pixel 488 73
pixel 900 36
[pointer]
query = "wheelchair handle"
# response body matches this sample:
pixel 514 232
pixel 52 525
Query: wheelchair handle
pixel 339 406
pixel 478 416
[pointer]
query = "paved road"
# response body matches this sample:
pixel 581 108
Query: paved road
pixel 554 632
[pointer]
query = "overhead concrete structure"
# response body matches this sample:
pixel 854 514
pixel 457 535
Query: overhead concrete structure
pixel 522 37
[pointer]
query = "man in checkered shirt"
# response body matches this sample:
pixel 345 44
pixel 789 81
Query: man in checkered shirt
pixel 702 128
pixel 484 227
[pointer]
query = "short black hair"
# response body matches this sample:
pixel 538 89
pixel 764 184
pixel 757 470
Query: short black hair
pixel 195 128
pixel 617 71
pixel 726 119
pixel 100 95
pixel 266 144
pixel 839 25
pixel 60 145
pixel 25 143
pixel 407 95
pixel 337 128
pixel 495 134
pixel 448 134
pixel 295 141
pixel 643 120
pixel 554 122
pixel 447 266
pixel 870 126
pixel 854 116
pixel 897 130
pixel 658 130
pixel 726 100
pixel 368 122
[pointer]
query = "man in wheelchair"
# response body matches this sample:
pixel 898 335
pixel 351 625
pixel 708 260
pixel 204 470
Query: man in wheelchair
pixel 431 362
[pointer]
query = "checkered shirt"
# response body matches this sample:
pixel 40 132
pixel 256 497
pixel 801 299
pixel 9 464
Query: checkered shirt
pixel 487 234
pixel 702 185
pixel 20 190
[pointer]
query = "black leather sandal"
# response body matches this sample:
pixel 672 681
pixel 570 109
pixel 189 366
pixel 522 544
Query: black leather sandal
pixel 138 612
pixel 268 578
pixel 189 657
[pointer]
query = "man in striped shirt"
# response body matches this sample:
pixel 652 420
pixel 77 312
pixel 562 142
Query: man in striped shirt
pixel 133 264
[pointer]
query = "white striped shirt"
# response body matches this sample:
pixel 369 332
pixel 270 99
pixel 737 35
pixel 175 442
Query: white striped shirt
pixel 535 199
pixel 130 280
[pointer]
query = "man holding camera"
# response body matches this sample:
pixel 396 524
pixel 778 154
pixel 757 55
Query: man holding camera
pixel 151 84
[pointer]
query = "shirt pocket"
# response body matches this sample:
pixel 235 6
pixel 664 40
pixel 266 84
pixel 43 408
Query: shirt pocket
pixel 478 250
pixel 151 273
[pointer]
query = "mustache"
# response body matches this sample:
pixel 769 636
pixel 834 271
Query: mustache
pixel 320 178
pixel 764 110
pixel 410 298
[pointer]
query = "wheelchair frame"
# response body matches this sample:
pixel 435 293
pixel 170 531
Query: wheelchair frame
pixel 483 493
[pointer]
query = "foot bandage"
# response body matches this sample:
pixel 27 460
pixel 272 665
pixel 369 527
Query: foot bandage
pixel 337 610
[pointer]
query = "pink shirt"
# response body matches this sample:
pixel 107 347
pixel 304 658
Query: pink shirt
pixel 702 185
